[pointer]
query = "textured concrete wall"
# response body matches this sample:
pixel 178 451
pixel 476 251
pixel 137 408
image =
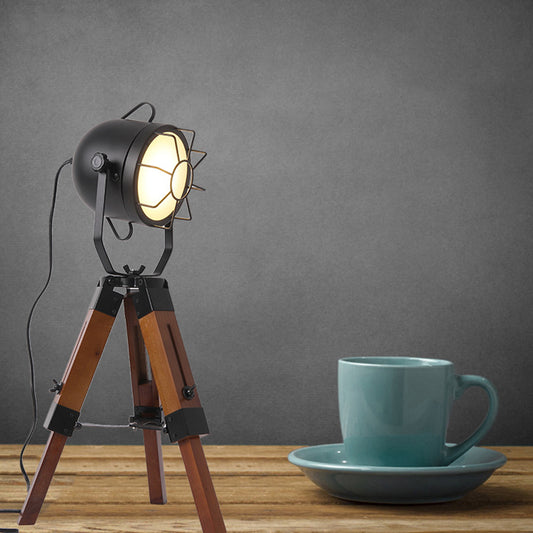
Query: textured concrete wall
pixel 369 191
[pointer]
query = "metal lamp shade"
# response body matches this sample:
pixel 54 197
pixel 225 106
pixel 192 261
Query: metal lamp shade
pixel 149 168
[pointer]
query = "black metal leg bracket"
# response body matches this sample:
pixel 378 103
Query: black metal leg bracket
pixel 186 422
pixel 61 419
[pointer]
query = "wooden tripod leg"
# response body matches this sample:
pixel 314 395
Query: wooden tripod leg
pixel 146 402
pixel 66 406
pixel 182 409
pixel 42 478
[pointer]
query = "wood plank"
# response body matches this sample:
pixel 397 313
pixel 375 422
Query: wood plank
pixel 68 519
pixel 495 498
pixel 211 450
pixel 460 509
pixel 174 466
pixel 259 491
pixel 515 452
pixel 109 465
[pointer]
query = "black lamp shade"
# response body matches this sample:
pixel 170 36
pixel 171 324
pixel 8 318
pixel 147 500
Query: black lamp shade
pixel 148 166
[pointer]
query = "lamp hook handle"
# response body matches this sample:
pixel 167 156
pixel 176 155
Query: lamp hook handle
pixel 131 111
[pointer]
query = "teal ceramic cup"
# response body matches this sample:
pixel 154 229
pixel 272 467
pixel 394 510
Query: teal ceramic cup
pixel 394 411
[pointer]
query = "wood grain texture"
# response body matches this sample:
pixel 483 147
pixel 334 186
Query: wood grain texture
pixel 145 395
pixel 172 372
pixel 103 488
pixel 42 478
pixel 84 359
pixel 201 484
pixel 75 384
pixel 170 366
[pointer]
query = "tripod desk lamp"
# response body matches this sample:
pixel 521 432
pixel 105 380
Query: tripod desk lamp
pixel 140 172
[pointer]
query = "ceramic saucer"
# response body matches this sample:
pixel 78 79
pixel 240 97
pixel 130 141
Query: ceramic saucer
pixel 326 465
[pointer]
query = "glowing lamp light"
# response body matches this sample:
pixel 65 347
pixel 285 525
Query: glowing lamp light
pixel 140 172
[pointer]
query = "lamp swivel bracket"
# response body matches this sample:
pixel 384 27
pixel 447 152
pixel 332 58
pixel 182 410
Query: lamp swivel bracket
pixel 99 162
pixel 106 174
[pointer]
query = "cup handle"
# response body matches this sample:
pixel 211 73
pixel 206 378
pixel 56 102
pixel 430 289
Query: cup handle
pixel 453 451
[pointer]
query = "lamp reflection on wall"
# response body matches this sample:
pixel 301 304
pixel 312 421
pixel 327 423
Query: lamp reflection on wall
pixel 140 172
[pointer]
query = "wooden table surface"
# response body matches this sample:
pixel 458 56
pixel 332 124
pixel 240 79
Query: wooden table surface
pixel 104 489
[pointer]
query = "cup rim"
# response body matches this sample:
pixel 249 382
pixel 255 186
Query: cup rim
pixel 394 361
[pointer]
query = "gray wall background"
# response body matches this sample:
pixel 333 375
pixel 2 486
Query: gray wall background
pixel 369 191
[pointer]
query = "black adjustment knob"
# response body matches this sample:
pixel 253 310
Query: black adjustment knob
pixel 188 392
pixel 57 387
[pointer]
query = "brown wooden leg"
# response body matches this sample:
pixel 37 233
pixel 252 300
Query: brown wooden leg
pixel 67 404
pixel 145 395
pixel 171 372
pixel 42 479
pixel 155 467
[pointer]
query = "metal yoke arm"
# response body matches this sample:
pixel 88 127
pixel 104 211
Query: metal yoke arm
pixel 104 174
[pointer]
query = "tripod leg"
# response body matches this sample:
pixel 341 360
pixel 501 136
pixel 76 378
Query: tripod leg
pixel 183 412
pixel 64 411
pixel 42 479
pixel 146 403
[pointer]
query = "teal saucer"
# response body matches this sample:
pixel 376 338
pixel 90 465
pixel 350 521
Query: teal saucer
pixel 326 466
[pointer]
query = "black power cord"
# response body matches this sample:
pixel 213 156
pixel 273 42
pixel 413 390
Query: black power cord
pixel 30 317
pixel 29 346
